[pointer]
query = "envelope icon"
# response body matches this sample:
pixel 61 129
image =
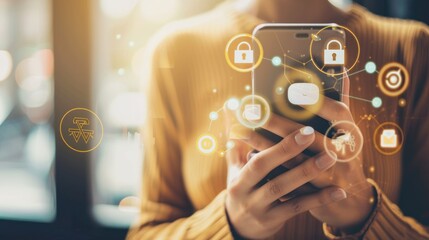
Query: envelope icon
pixel 389 139
pixel 303 94
pixel 252 112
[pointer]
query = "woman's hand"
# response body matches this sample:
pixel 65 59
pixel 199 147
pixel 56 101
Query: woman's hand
pixel 255 211
pixel 348 214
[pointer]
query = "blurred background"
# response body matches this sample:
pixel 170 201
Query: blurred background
pixel 97 48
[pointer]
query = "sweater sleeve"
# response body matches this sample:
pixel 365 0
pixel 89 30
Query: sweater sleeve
pixel 166 211
pixel 386 222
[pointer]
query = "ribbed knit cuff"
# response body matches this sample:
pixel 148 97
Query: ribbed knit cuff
pixel 211 222
pixel 385 222
pixel 330 234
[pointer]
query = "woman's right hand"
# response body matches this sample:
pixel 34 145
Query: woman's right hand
pixel 255 211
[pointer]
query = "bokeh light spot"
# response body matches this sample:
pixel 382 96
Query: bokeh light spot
pixel 370 67
pixel 276 61
pixel 376 102
pixel 213 116
pixel 233 104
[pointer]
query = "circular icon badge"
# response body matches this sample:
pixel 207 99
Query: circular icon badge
pixel 329 52
pixel 81 130
pixel 344 139
pixel 294 89
pixel 207 144
pixel 254 111
pixel 393 79
pixel 244 53
pixel 388 138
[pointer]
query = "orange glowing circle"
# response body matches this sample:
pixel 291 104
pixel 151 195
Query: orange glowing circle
pixel 382 81
pixel 357 44
pixel 377 134
pixel 227 53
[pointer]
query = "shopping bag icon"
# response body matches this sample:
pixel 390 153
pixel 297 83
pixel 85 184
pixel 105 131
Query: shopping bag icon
pixel 389 139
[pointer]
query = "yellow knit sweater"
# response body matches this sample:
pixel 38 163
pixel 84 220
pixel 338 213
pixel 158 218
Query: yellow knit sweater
pixel 188 77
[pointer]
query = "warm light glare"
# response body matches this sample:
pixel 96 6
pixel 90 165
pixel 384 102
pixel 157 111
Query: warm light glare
pixel 138 62
pixel 5 65
pixel 130 203
pixel 159 10
pixel 39 65
pixel 38 96
pixel 117 8
pixel 230 144
pixel 213 116
pixel 233 104
pixel 128 109
pixel 33 76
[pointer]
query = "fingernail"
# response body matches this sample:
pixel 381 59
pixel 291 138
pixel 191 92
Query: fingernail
pixel 338 194
pixel 304 135
pixel 326 161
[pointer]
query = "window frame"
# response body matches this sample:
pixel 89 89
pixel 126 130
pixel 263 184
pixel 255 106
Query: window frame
pixel 73 76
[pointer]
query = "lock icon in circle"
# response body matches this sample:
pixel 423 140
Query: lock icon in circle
pixel 243 56
pixel 334 56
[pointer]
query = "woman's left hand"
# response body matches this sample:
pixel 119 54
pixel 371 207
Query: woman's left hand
pixel 351 213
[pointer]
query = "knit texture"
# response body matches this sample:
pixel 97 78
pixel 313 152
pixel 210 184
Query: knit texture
pixel 188 77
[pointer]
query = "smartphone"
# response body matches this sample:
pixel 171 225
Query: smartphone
pixel 300 62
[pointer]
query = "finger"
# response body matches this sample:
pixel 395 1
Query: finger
pixel 229 119
pixel 264 162
pixel 294 178
pixel 250 137
pixel 237 154
pixel 332 110
pixel 278 125
pixel 305 203
pixel 283 127
pixel 346 89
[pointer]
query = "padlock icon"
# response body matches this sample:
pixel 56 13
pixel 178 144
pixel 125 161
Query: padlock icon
pixel 334 56
pixel 243 56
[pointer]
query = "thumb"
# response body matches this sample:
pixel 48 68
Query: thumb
pixel 236 155
pixel 346 89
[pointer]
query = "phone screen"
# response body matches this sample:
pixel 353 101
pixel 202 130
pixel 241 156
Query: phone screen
pixel 292 75
pixel 301 64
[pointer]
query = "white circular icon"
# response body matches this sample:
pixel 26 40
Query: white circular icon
pixel 254 111
pixel 344 139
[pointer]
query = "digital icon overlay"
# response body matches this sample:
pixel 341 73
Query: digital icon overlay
pixel 303 93
pixel 243 56
pixel 341 55
pixel 253 112
pixel 393 79
pixel 244 53
pixel 342 140
pixel 207 144
pixel 334 56
pixel 345 139
pixel 302 88
pixel 388 138
pixel 81 130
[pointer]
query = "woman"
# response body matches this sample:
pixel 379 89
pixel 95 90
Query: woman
pixel 185 193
